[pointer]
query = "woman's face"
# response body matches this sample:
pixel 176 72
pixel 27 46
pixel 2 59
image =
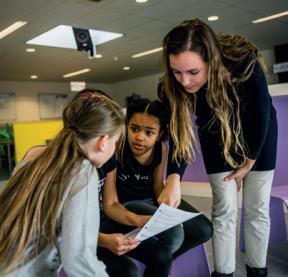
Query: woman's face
pixel 189 70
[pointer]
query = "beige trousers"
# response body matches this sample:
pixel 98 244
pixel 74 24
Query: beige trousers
pixel 256 198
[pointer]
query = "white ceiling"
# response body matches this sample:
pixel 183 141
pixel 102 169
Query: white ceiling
pixel 143 26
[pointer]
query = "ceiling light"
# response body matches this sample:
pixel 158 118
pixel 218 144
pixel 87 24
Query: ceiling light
pixel 270 17
pixel 76 73
pixel 126 68
pixel 30 50
pixel 98 56
pixel 33 76
pixel 12 28
pixel 141 1
pixel 147 52
pixel 213 18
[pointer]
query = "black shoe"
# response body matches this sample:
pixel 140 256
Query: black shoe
pixel 217 274
pixel 256 271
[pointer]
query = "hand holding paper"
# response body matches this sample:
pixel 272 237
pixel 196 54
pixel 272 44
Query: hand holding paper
pixel 164 218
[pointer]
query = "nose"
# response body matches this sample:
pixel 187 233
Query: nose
pixel 140 136
pixel 184 80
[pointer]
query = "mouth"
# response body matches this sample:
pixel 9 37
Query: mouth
pixel 138 146
pixel 191 89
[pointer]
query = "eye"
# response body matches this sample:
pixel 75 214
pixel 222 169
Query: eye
pixel 149 133
pixel 134 129
pixel 194 72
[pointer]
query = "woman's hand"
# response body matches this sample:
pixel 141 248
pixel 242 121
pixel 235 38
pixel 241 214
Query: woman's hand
pixel 117 243
pixel 171 194
pixel 240 173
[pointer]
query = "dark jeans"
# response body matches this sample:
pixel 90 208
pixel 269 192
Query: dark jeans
pixel 196 230
pixel 155 253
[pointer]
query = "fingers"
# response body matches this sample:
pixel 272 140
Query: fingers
pixel 238 183
pixel 127 246
pixel 176 204
pixel 229 177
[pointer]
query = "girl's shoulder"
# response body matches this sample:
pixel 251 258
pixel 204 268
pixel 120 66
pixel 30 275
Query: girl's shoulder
pixel 33 152
pixel 83 172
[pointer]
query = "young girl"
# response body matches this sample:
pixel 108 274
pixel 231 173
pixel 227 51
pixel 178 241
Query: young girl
pixel 139 182
pixel 54 194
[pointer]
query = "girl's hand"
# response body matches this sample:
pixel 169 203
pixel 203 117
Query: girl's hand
pixel 118 243
pixel 171 194
pixel 240 173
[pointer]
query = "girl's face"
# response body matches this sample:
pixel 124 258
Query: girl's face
pixel 143 132
pixel 189 69
pixel 101 149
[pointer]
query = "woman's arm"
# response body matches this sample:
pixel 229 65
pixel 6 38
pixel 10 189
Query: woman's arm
pixel 171 194
pixel 114 209
pixel 158 183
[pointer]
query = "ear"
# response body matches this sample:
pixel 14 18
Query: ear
pixel 101 143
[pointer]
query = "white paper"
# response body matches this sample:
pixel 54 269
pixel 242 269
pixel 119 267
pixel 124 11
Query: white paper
pixel 164 218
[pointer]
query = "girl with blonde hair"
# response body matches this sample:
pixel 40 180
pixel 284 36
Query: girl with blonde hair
pixel 220 79
pixel 54 194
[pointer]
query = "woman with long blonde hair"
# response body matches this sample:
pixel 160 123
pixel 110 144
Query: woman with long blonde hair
pixel 220 79
pixel 54 195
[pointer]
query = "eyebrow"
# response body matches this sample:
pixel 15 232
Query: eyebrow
pixel 146 127
pixel 193 69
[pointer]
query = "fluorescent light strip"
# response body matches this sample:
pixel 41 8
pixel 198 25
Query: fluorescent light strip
pixel 30 50
pixel 147 52
pixel 270 17
pixel 213 18
pixel 12 28
pixel 76 73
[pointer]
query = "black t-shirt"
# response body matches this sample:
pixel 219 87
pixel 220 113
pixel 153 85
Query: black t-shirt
pixel 134 180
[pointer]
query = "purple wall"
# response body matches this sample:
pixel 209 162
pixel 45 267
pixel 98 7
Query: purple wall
pixel 281 172
pixel 196 171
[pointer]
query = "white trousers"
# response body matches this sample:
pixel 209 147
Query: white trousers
pixel 256 198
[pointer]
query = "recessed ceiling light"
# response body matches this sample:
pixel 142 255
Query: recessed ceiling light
pixel 147 52
pixel 30 50
pixel 213 18
pixel 270 17
pixel 126 68
pixel 66 36
pixel 141 1
pixel 33 76
pixel 82 71
pixel 12 28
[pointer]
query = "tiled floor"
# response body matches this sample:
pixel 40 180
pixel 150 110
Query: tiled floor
pixel 277 259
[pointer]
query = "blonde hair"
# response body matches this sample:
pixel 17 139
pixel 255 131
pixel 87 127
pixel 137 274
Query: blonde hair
pixel 31 199
pixel 224 55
